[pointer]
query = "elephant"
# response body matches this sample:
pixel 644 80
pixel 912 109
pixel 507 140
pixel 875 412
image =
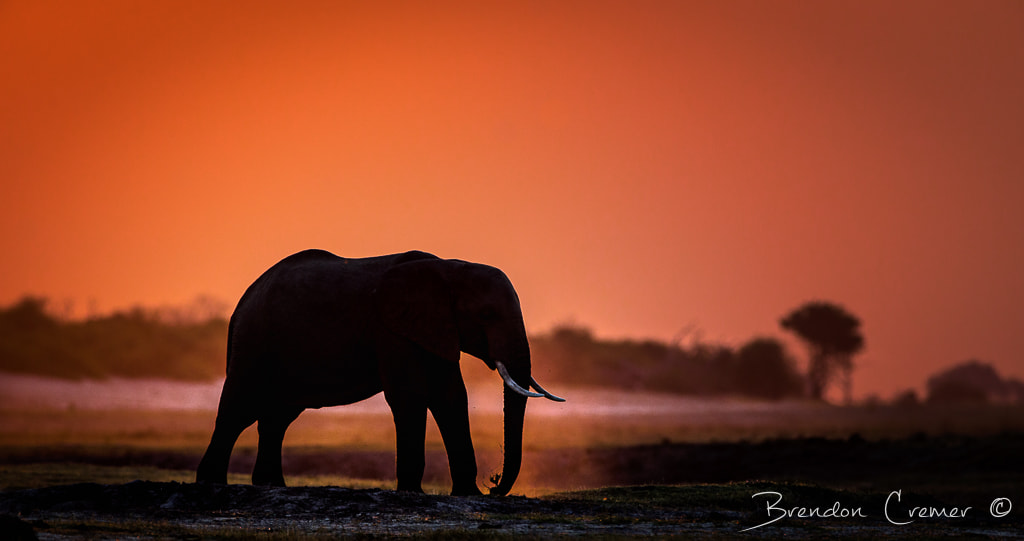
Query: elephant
pixel 318 330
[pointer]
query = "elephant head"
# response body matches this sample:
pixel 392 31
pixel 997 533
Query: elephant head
pixel 452 306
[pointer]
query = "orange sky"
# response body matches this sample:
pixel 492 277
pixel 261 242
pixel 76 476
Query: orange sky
pixel 633 166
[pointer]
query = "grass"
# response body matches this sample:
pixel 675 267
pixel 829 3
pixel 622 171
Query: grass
pixel 25 476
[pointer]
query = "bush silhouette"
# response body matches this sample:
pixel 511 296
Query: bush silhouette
pixel 764 370
pixel 971 382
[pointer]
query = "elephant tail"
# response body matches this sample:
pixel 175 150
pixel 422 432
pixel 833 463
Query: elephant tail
pixel 231 331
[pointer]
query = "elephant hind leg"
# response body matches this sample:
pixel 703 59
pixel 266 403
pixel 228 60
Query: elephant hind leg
pixel 213 468
pixel 271 427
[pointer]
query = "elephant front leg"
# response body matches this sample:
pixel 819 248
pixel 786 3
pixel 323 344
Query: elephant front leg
pixel 452 417
pixel 410 432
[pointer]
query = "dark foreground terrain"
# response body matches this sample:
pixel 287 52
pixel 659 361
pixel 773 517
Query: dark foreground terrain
pixel 920 487
pixel 143 509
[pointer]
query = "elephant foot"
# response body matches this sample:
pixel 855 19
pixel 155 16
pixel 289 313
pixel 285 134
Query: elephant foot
pixel 466 490
pixel 208 475
pixel 268 481
pixel 211 479
pixel 409 487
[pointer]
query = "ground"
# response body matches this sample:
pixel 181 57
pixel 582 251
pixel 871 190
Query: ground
pixel 610 465
pixel 186 510
pixel 855 477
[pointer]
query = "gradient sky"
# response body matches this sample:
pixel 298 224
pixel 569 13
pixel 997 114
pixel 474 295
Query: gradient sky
pixel 635 167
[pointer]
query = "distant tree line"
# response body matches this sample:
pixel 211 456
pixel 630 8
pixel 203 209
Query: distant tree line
pixel 189 344
pixel 178 344
pixel 760 368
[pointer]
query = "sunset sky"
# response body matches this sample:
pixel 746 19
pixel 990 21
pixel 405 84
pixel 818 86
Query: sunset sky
pixel 635 167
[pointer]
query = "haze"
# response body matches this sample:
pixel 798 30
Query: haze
pixel 635 167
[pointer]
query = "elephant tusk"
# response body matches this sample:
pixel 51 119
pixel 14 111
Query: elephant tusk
pixel 549 396
pixel 511 383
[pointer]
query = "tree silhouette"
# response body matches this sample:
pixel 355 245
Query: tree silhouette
pixel 832 336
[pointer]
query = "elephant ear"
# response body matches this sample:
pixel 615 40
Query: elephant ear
pixel 415 300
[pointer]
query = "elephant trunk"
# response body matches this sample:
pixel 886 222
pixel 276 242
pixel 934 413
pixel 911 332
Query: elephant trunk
pixel 515 412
